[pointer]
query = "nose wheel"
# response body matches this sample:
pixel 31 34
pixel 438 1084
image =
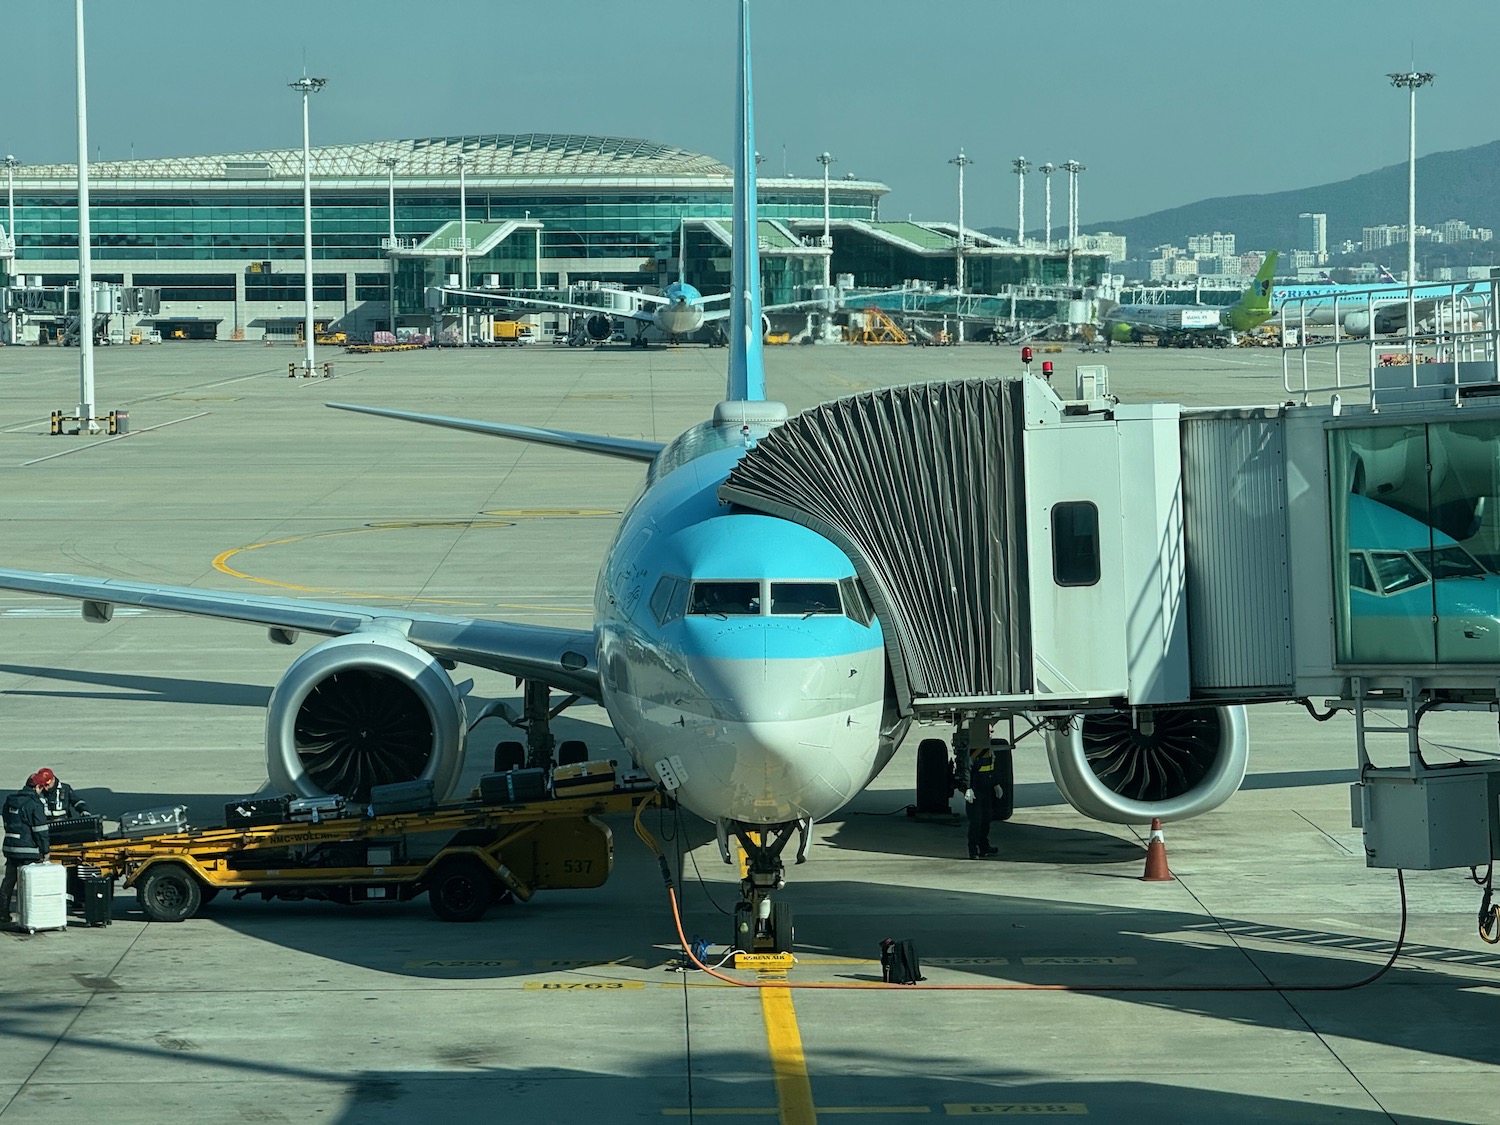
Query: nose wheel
pixel 761 925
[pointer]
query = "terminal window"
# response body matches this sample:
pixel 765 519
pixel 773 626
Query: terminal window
pixel 1416 542
pixel 1075 543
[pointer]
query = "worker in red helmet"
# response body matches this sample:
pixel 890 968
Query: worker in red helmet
pixel 27 839
pixel 58 796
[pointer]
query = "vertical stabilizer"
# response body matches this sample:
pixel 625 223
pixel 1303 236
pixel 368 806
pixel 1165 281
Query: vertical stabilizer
pixel 1254 306
pixel 747 373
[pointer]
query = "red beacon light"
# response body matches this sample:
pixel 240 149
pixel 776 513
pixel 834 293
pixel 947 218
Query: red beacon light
pixel 1047 370
pixel 1026 356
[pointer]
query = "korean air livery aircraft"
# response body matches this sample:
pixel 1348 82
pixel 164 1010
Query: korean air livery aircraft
pixel 735 653
pixel 676 312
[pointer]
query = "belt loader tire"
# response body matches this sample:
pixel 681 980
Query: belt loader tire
pixel 169 892
pixel 461 889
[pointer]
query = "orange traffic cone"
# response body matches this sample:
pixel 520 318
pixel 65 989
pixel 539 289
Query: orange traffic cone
pixel 1156 856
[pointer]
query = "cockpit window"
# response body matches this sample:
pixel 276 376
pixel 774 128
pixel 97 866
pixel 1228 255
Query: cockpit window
pixel 804 598
pixel 1450 562
pixel 725 599
pixel 668 599
pixel 856 605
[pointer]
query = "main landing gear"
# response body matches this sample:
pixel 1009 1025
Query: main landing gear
pixel 760 925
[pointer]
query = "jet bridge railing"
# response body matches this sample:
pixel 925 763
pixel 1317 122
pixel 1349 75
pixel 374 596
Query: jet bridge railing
pixel 1448 338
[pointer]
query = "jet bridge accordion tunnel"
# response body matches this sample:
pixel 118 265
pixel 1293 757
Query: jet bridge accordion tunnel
pixel 1023 555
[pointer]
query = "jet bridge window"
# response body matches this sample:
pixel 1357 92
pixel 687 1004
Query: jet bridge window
pixel 1075 543
pixel 805 598
pixel 725 599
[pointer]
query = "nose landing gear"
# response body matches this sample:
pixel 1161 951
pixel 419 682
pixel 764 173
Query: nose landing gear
pixel 761 925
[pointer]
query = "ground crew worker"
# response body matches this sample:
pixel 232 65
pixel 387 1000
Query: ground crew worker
pixel 975 775
pixel 26 836
pixel 59 797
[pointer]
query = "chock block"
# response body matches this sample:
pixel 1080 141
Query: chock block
pixel 764 962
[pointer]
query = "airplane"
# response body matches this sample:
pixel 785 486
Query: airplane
pixel 676 312
pixel 1363 310
pixel 736 654
pixel 1124 323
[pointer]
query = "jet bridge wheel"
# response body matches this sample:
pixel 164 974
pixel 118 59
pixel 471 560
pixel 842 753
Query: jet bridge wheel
pixel 934 778
pixel 169 892
pixel 461 889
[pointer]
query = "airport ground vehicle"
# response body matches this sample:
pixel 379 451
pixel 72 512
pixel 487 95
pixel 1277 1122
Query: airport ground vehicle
pixel 464 856
pixel 513 332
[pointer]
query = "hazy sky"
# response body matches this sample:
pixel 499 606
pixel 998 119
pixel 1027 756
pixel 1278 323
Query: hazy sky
pixel 1165 101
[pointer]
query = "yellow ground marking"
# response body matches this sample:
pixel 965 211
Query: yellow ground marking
pixel 1016 1109
pixel 583 985
pixel 462 964
pixel 1078 960
pixel 768 1111
pixel 788 1065
pixel 221 561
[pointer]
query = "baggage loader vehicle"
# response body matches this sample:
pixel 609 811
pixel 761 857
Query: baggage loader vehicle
pixel 464 856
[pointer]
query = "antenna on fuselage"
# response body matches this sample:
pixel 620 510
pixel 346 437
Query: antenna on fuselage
pixel 747 373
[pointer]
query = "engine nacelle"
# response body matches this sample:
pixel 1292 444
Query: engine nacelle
pixel 599 326
pixel 1357 324
pixel 368 708
pixel 1130 766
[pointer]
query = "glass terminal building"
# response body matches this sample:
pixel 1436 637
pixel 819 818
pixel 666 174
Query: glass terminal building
pixel 221 237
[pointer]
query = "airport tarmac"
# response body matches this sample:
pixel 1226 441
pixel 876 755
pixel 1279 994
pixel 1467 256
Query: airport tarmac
pixel 566 1009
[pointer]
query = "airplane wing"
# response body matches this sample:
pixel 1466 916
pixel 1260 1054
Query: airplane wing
pixel 507 299
pixel 629 449
pixel 564 658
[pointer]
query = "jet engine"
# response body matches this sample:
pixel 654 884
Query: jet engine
pixel 1127 767
pixel 599 326
pixel 1358 323
pixel 368 708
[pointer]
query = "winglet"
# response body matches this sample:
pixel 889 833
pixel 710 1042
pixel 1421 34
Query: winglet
pixel 747 373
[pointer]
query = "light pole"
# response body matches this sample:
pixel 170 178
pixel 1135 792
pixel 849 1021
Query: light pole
pixel 463 248
pixel 1046 170
pixel 825 160
pixel 1072 168
pixel 390 254
pixel 11 164
pixel 1412 80
pixel 306 86
pixel 963 162
pixel 1020 165
pixel 86 423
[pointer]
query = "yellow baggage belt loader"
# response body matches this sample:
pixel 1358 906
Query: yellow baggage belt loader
pixel 465 857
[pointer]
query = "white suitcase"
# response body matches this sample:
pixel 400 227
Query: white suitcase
pixel 42 893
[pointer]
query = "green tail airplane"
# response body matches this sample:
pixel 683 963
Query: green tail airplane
pixel 1123 323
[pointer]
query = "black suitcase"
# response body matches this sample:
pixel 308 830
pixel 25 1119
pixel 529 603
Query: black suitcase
pixel 513 787
pixel 898 962
pixel 95 896
pixel 75 829
pixel 404 796
pixel 256 812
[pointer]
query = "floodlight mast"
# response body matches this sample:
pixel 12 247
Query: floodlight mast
pixel 390 254
pixel 825 160
pixel 963 162
pixel 11 164
pixel 463 249
pixel 1072 168
pixel 1020 165
pixel 306 86
pixel 1412 80
pixel 86 423
pixel 1046 170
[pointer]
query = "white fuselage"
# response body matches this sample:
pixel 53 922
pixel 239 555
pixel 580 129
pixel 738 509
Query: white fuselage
pixel 763 714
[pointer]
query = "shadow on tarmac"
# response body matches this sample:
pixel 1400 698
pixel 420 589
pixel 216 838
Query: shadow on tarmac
pixel 136 688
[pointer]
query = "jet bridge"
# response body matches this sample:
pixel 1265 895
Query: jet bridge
pixel 1128 575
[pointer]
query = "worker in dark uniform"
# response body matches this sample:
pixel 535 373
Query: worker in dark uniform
pixel 975 775
pixel 26 836
pixel 60 799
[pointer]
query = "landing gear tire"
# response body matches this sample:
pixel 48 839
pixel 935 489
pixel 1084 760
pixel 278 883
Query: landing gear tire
pixel 571 752
pixel 783 932
pixel 934 779
pixel 169 893
pixel 1005 779
pixel 461 890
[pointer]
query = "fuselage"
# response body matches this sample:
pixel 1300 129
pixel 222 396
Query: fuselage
pixel 738 648
pixel 683 312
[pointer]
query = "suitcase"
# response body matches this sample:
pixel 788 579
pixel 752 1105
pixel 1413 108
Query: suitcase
pixel 404 796
pixel 42 893
pixel 584 779
pixel 162 820
pixel 93 894
pixel 898 962
pixel 256 812
pixel 315 809
pixel 75 829
pixel 513 787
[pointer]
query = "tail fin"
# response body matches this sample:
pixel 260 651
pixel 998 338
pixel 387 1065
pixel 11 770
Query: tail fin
pixel 747 373
pixel 1387 276
pixel 1254 307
